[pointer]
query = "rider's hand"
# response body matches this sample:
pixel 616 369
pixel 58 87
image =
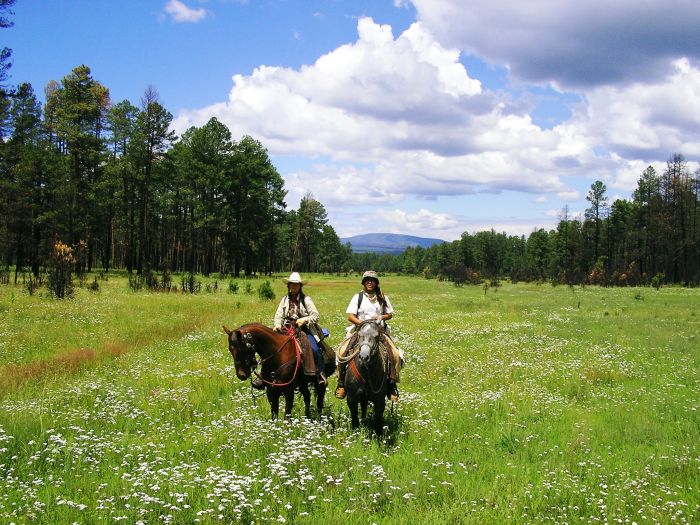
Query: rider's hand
pixel 300 322
pixel 379 317
pixel 278 328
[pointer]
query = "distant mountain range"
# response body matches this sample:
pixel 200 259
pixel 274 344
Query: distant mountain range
pixel 393 243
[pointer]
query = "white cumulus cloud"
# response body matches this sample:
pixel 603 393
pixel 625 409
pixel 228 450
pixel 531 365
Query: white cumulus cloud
pixel 388 117
pixel 569 42
pixel 179 12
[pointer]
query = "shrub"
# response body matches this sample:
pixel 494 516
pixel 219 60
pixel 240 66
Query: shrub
pixel 94 286
pixel 232 287
pixel 248 288
pixel 658 280
pixel 32 285
pixel 60 271
pixel 135 282
pixel 265 291
pixel 166 281
pixel 189 284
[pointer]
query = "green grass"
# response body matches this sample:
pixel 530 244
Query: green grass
pixel 529 404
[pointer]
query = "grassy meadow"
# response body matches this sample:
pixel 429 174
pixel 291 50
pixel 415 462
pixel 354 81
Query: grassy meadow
pixel 522 404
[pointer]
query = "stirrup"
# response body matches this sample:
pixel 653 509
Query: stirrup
pixel 340 392
pixel 321 378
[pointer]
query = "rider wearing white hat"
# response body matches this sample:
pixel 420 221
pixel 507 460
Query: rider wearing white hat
pixel 298 308
pixel 294 278
pixel 370 304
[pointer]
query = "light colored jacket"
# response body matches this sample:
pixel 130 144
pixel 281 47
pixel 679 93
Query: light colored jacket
pixel 307 313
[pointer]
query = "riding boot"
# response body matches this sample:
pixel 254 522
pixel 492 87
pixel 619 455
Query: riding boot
pixel 393 393
pixel 340 389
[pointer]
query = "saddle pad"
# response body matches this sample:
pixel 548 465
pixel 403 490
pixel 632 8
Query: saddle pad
pixel 327 352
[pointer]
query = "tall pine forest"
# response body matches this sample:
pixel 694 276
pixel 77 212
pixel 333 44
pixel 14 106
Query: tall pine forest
pixel 111 181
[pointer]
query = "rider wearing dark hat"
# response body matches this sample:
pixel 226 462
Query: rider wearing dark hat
pixel 370 304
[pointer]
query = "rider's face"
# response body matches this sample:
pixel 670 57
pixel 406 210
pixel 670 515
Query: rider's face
pixel 294 288
pixel 369 285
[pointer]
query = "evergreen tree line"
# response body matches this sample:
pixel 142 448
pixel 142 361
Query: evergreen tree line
pixel 114 183
pixel 653 237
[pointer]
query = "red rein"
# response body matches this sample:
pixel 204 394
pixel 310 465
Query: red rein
pixel 297 352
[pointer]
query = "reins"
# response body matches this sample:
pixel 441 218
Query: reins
pixel 356 371
pixel 296 362
pixel 347 359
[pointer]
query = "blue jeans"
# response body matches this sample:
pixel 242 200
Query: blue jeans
pixel 317 353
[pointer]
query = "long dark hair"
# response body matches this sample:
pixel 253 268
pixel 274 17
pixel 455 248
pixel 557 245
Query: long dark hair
pixel 380 296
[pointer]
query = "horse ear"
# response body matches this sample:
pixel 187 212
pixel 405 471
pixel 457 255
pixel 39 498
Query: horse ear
pixel 227 330
pixel 238 337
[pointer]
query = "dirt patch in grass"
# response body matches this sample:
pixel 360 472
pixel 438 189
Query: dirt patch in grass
pixel 74 360
pixel 12 376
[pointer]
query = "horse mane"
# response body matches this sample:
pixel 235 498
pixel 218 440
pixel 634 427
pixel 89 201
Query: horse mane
pixel 261 329
pixel 258 325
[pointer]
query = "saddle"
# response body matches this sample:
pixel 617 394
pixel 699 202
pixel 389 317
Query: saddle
pixel 308 362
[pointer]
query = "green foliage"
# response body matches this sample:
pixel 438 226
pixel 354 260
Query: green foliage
pixel 265 291
pixel 233 287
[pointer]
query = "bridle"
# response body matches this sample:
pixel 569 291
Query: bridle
pixel 374 350
pixel 250 364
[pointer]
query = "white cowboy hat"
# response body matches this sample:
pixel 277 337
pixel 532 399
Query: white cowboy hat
pixel 294 277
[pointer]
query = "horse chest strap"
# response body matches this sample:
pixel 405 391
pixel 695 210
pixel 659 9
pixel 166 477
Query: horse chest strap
pixel 356 372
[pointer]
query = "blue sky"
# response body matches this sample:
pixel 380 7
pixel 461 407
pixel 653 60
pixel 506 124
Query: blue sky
pixel 425 117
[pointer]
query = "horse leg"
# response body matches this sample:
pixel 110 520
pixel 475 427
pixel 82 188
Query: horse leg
pixel 355 421
pixel 273 397
pixel 320 395
pixel 288 402
pixel 379 415
pixel 306 394
pixel 364 408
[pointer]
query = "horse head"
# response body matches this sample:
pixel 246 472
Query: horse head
pixel 368 341
pixel 242 348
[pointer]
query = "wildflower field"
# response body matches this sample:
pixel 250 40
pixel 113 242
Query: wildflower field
pixel 519 404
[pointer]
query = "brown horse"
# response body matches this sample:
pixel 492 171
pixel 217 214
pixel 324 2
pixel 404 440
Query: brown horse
pixel 281 371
